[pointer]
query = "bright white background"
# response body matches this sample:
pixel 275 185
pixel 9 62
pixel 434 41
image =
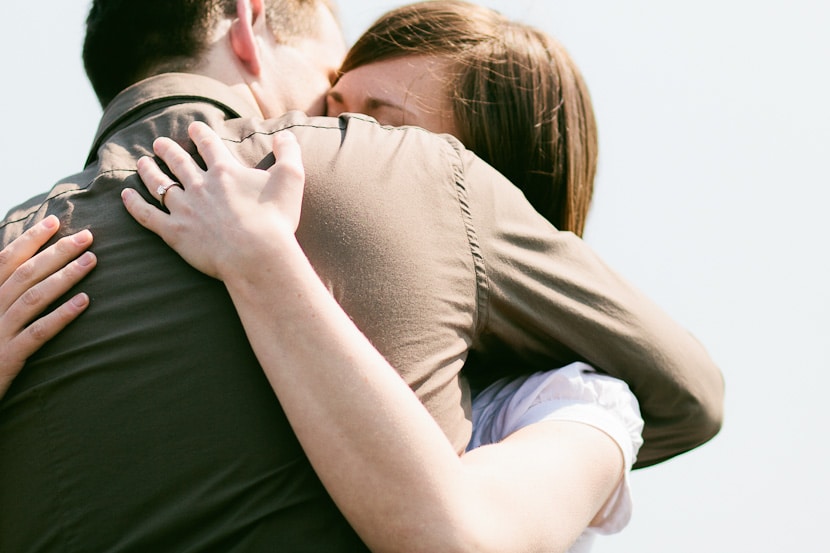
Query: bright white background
pixel 712 197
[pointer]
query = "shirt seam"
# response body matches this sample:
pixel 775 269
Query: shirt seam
pixel 36 208
pixel 482 281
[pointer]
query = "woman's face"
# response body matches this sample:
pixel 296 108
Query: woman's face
pixel 411 90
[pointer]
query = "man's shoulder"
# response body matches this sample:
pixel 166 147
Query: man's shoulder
pixel 351 137
pixel 24 215
pixel 16 218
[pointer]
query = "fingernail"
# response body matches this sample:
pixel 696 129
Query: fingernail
pixel 82 237
pixel 80 300
pixel 86 259
pixel 51 222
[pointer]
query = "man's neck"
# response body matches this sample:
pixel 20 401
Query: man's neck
pixel 220 64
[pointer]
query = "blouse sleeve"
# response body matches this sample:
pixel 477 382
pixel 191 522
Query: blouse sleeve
pixel 573 393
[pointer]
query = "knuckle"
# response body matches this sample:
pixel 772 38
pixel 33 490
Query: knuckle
pixel 178 156
pixel 176 231
pixel 65 245
pixel 150 175
pixel 141 212
pixel 38 331
pixel 206 139
pixel 25 273
pixel 223 166
pixel 32 297
pixel 71 272
pixel 6 256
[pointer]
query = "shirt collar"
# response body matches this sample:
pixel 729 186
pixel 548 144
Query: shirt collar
pixel 160 90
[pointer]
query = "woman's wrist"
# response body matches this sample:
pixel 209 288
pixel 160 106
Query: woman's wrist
pixel 276 263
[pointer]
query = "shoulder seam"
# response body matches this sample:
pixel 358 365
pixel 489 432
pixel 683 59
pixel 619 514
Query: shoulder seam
pixel 35 208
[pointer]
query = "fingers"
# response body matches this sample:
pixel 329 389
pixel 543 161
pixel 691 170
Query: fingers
pixel 210 146
pixel 287 178
pixel 34 299
pixel 26 245
pixel 288 156
pixel 181 164
pixel 22 332
pixel 155 180
pixel 47 327
pixel 17 348
pixel 41 266
pixel 34 283
pixel 147 215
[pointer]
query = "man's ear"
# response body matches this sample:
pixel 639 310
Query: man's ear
pixel 243 37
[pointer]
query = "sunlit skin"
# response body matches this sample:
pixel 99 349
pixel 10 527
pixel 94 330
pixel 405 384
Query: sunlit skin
pixel 319 58
pixel 410 90
pixel 312 61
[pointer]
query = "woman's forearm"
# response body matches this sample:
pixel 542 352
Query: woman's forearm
pixel 380 454
pixel 369 439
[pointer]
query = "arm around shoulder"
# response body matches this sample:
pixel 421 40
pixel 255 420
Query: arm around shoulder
pixel 551 301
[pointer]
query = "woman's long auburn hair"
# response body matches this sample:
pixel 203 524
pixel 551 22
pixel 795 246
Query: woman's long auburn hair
pixel 519 101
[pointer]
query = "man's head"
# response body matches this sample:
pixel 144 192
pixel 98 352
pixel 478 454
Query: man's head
pixel 127 41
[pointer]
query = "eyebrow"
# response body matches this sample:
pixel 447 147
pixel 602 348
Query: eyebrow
pixel 375 103
pixel 336 96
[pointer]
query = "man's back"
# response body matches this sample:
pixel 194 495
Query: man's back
pixel 148 424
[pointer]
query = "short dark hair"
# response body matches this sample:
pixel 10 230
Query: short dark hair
pixel 519 101
pixel 129 40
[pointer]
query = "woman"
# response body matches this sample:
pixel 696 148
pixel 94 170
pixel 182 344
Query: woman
pixel 397 480
pixel 401 485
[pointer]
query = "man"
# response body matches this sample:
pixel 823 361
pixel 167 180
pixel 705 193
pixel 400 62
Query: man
pixel 148 426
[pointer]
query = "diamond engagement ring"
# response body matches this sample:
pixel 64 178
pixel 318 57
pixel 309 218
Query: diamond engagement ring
pixel 162 190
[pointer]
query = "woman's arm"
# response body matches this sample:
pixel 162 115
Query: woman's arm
pixel 29 283
pixel 587 311
pixel 379 453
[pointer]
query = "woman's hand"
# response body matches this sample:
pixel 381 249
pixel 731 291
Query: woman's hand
pixel 229 216
pixel 29 283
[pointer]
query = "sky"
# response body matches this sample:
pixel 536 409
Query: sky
pixel 712 194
